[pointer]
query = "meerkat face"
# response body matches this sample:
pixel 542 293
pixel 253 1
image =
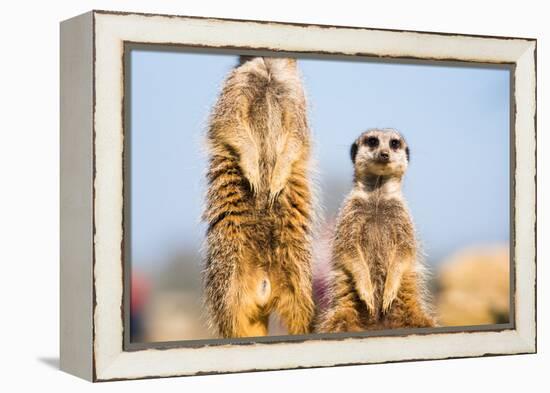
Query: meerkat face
pixel 381 152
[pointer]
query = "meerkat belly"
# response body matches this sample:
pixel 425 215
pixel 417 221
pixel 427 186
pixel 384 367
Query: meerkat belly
pixel 374 248
pixel 381 241
pixel 378 239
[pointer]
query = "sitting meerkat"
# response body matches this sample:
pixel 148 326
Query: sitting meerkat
pixel 259 205
pixel 377 280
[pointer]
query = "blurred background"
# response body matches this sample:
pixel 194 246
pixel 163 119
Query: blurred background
pixel 456 120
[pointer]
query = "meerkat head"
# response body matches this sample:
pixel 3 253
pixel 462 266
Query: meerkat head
pixel 380 152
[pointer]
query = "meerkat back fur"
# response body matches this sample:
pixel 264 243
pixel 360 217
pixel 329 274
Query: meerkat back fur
pixel 377 278
pixel 259 205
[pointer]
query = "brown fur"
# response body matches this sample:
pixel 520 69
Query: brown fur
pixel 259 203
pixel 377 280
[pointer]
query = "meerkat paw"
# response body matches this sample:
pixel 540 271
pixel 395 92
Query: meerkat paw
pixel 368 297
pixel 251 169
pixel 276 187
pixel 387 300
pixel 253 180
pixel 280 176
pixel 273 197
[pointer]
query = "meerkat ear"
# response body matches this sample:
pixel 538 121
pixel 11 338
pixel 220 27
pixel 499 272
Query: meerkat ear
pixel 408 153
pixel 243 59
pixel 353 151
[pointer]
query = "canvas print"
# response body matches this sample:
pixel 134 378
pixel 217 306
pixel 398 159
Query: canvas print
pixel 271 195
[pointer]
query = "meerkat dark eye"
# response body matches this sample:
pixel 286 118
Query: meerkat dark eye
pixel 372 141
pixel 395 144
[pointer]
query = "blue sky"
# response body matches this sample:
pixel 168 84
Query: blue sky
pixel 455 119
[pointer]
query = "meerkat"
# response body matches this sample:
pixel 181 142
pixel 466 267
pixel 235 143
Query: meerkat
pixel 259 203
pixel 377 279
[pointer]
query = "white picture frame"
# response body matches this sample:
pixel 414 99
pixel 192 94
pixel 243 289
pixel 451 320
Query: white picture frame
pixel 92 188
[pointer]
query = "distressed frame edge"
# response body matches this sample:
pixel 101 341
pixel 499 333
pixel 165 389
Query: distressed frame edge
pixel 76 196
pixel 526 144
pixel 304 24
pixel 256 370
pixel 528 339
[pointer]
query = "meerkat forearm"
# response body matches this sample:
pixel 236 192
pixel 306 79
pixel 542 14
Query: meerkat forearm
pixel 287 154
pixel 250 161
pixel 242 143
pixel 396 269
pixel 361 274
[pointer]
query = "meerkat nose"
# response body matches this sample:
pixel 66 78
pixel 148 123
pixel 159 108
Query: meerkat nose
pixel 384 156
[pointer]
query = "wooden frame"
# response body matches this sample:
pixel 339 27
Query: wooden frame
pixel 92 189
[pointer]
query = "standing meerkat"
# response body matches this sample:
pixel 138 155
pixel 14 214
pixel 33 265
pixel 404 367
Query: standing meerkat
pixel 259 203
pixel 377 280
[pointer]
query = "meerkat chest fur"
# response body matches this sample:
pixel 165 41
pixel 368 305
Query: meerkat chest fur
pixel 381 226
pixel 386 229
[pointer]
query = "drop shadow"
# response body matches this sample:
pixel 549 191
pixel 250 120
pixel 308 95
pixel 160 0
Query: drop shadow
pixel 52 362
